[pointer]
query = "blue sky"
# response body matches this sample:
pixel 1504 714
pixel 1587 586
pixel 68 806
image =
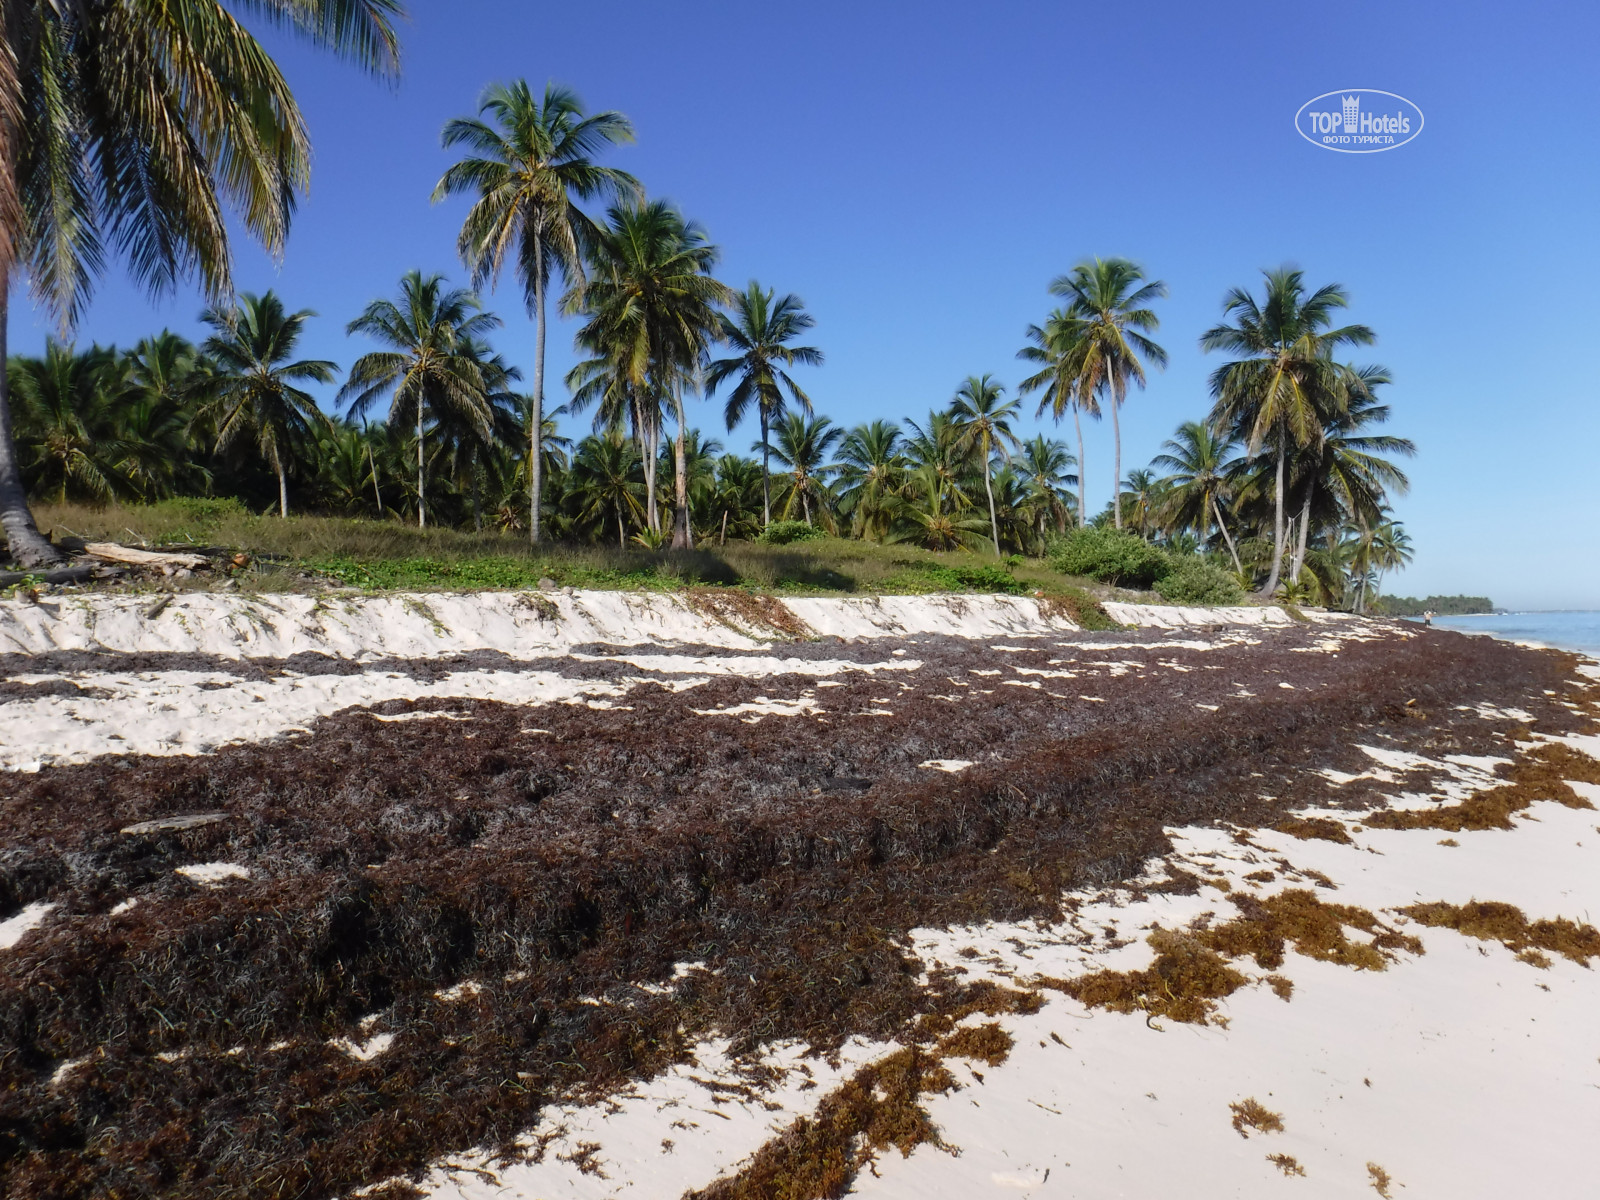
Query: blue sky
pixel 919 172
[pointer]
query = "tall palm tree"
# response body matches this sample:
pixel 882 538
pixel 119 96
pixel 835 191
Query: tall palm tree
pixel 935 449
pixel 983 426
pixel 434 365
pixel 1285 382
pixel 652 314
pixel 1109 298
pixel 529 161
pixel 254 389
pixel 1058 350
pixel 759 330
pixel 872 473
pixel 167 378
pixel 1198 485
pixel 803 447
pixel 132 128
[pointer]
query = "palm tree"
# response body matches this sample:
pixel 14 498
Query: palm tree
pixel 934 516
pixel 983 426
pixel 935 448
pixel 1144 493
pixel 137 127
pixel 739 483
pixel 1390 550
pixel 652 315
pixel 872 471
pixel 803 447
pixel 1280 391
pixel 1045 466
pixel 759 330
pixel 528 164
pixel 254 392
pixel 603 479
pixel 1198 485
pixel 434 366
pixel 1109 299
pixel 166 380
pixel 72 441
pixel 1058 349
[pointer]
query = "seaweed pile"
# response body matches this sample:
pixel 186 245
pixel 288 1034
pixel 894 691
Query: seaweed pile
pixel 163 1035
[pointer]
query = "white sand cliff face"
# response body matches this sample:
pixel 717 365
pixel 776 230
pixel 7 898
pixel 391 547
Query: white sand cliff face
pixel 190 711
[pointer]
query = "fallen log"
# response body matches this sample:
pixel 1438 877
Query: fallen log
pixel 112 552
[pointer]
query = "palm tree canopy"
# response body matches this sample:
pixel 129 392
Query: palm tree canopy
pixel 983 417
pixel 1285 382
pixel 1109 299
pixel 139 124
pixel 528 159
pixel 759 330
pixel 255 375
pixel 434 361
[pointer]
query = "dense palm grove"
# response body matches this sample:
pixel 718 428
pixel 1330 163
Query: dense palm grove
pixel 1282 488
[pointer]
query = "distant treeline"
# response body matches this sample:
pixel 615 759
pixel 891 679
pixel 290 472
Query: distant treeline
pixel 1444 606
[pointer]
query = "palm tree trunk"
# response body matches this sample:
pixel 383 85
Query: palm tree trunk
pixel 1083 511
pixel 682 539
pixel 1277 529
pixel 283 485
pixel 1304 533
pixel 29 547
pixel 372 464
pixel 422 508
pixel 536 421
pixel 994 524
pixel 622 533
pixel 766 473
pixel 1116 440
pixel 1223 526
pixel 723 540
pixel 651 453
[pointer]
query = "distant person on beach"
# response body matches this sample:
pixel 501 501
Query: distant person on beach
pixel 1427 618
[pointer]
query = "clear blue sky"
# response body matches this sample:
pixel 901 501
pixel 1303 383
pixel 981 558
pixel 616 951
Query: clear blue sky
pixel 919 172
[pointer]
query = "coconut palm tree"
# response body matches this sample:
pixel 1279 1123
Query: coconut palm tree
pixel 1058 350
pixel 433 367
pixel 872 475
pixel 1110 300
pixel 1198 486
pixel 1045 467
pixel 759 330
pixel 131 129
pixel 734 497
pixel 983 428
pixel 72 441
pixel 935 448
pixel 652 314
pixel 803 447
pixel 529 161
pixel 608 483
pixel 166 381
pixel 934 516
pixel 1285 383
pixel 254 392
pixel 1144 493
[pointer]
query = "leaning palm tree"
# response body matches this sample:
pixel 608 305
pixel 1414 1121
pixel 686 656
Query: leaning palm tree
pixel 1285 383
pixel 254 392
pixel 434 363
pixel 1109 299
pixel 759 330
pixel 529 161
pixel 1058 349
pixel 652 315
pixel 983 427
pixel 1198 485
pixel 131 129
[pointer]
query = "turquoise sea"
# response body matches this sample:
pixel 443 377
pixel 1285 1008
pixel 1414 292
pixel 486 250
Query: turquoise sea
pixel 1567 630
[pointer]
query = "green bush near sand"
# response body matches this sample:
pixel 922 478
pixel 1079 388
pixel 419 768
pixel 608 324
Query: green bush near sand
pixel 1109 556
pixel 1193 580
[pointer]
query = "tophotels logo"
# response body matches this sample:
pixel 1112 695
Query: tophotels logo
pixel 1358 121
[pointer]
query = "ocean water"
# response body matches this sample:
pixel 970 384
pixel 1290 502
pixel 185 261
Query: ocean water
pixel 1578 631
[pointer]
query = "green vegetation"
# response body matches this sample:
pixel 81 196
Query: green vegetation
pixel 1283 490
pixel 1443 606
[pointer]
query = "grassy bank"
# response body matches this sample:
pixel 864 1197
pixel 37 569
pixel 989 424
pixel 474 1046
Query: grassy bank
pixel 389 555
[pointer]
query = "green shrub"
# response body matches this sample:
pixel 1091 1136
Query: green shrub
pixel 1193 580
pixel 783 533
pixel 1110 556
